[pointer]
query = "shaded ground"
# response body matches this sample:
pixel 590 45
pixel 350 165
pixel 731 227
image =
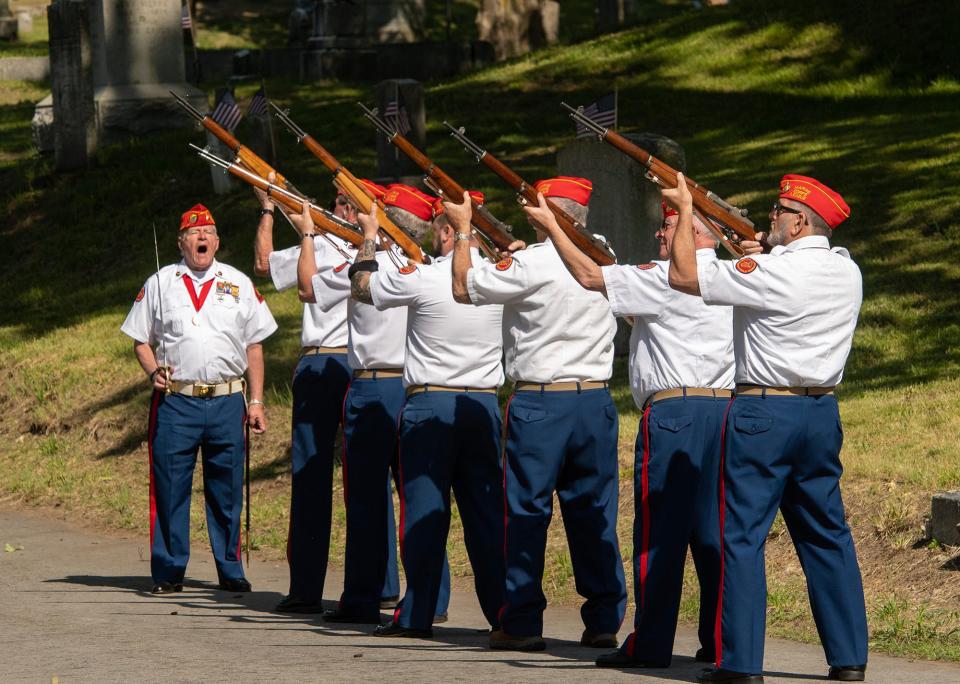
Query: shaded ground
pixel 75 607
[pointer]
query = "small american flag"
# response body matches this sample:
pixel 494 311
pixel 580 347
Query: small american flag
pixel 227 113
pixel 398 116
pixel 186 23
pixel 603 112
pixel 258 105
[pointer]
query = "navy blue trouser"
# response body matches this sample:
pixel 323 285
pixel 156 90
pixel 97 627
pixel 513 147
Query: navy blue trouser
pixel 371 410
pixel 319 384
pixel 179 426
pixel 450 439
pixel 784 451
pixel 675 485
pixel 564 442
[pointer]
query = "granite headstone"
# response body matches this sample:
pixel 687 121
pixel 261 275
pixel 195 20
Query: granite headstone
pixel 71 73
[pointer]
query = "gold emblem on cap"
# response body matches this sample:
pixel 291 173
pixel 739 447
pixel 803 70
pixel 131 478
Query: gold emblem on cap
pixel 786 186
pixel 193 218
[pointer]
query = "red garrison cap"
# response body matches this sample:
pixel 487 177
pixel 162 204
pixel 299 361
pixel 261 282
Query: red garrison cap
pixel 438 203
pixel 409 199
pixel 378 190
pixel 668 211
pixel 827 203
pixel 569 187
pixel 196 216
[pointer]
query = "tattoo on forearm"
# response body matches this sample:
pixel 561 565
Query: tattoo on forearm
pixel 368 251
pixel 360 288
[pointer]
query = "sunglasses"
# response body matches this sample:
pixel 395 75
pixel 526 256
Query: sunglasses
pixel 780 209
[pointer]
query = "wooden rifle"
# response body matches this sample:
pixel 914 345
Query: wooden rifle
pixel 587 242
pixel 358 194
pixel 493 234
pixel 324 220
pixel 245 155
pixel 727 222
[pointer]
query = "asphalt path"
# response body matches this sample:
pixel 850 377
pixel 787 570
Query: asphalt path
pixel 75 606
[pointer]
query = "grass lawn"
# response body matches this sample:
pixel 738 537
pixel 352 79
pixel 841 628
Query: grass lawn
pixel 749 91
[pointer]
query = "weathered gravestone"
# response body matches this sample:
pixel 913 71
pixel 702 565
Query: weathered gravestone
pixel 625 207
pixel 138 60
pixel 945 518
pixel 71 73
pixel 408 111
pixel 8 22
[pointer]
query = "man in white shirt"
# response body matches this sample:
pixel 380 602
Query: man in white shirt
pixel 561 426
pixel 449 428
pixel 375 355
pixel 681 374
pixel 197 328
pixel 794 314
pixel 320 381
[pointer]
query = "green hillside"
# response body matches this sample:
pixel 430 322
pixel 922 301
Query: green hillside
pixel 867 101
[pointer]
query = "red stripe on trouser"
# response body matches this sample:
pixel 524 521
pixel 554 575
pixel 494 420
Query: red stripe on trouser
pixel 403 508
pixel 644 508
pixel 717 628
pixel 151 434
pixel 343 459
pixel 503 460
pixel 246 447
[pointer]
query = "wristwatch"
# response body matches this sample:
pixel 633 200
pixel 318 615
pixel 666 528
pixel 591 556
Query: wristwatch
pixel 309 235
pixel 254 402
pixel 264 212
pixel 457 236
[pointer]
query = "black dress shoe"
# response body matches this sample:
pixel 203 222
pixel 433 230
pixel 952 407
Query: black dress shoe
pixel 238 585
pixel 847 673
pixel 389 602
pixel 166 588
pixel 622 660
pixel 342 617
pixel 718 674
pixel 440 618
pixel 392 629
pixel 704 656
pixel 295 604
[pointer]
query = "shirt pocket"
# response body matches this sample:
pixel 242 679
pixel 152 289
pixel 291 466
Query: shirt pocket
pixel 674 423
pixel 175 319
pixel 227 313
pixel 752 424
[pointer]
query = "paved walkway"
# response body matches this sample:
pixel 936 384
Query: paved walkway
pixel 74 605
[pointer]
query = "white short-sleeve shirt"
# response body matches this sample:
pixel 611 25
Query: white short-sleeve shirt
pixel 449 344
pixel 209 345
pixel 677 339
pixel 376 339
pixel 553 329
pixel 794 311
pixel 320 328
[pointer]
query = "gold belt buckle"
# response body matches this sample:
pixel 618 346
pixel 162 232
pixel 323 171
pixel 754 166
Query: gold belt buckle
pixel 202 390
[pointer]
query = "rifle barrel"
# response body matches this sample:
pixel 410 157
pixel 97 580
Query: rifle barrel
pixel 458 135
pixel 288 122
pixel 193 111
pixel 375 119
pixel 579 116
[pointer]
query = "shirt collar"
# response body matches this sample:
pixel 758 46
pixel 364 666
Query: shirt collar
pixel 809 242
pixel 214 271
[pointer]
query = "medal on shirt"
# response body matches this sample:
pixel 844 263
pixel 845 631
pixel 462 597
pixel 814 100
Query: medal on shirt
pixel 195 320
